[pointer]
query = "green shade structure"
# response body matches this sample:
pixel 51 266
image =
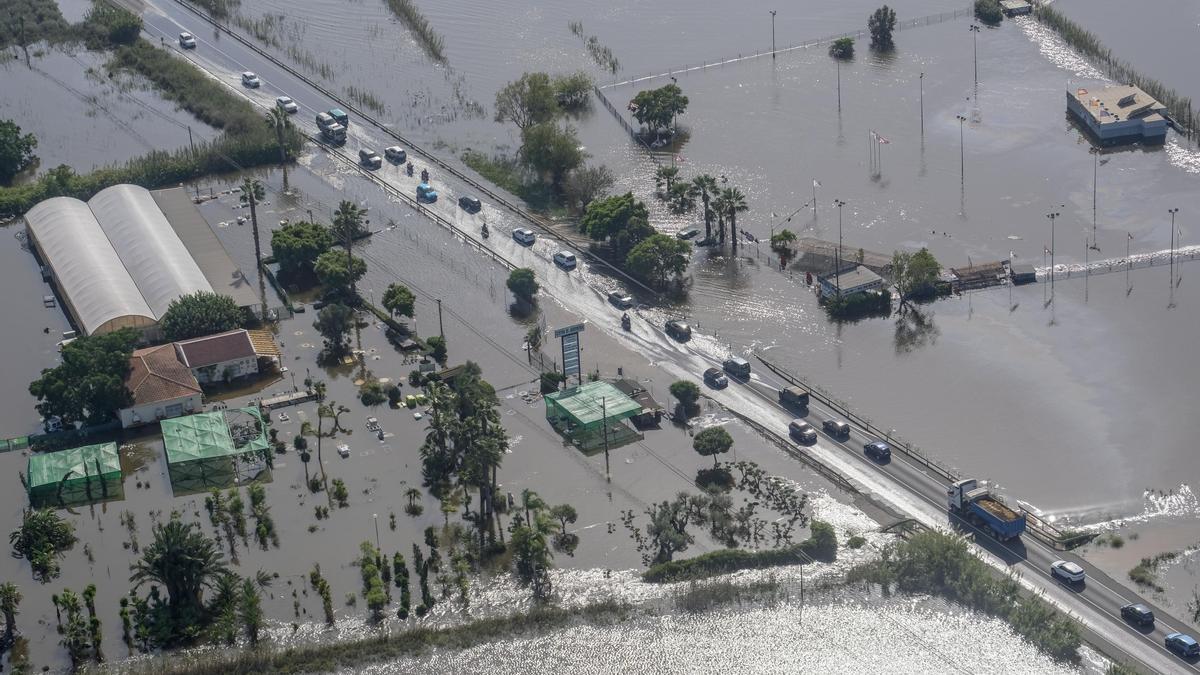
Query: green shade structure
pixel 216 449
pixel 90 473
pixel 582 413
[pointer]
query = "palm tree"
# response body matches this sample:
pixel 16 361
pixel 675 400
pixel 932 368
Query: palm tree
pixel 412 494
pixel 530 501
pixel 665 175
pixel 533 341
pixel 734 202
pixel 705 187
pixel 10 597
pixel 718 207
pixel 183 561
pixel 347 223
pixel 281 124
pixel 253 192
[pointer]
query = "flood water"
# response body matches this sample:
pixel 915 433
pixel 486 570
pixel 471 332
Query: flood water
pixel 988 385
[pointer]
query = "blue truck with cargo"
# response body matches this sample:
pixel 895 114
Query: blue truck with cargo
pixel 976 505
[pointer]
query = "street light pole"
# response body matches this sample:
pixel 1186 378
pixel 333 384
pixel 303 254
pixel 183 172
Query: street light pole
pixel 962 154
pixel 1095 186
pixel 772 34
pixel 376 517
pixel 839 82
pixel 1173 212
pixel 975 40
pixel 837 265
pixel 1052 217
pixel 922 84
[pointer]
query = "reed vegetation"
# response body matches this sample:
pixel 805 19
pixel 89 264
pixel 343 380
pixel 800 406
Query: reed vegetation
pixel 410 15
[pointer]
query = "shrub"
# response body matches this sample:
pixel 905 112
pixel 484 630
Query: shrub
pixel 523 284
pixel 372 393
pixel 550 382
pixel 989 12
pixel 822 546
pixel 842 48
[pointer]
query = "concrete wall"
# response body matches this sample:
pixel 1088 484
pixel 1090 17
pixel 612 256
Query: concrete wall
pixel 152 412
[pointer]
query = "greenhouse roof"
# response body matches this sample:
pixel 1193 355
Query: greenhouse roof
pixel 591 403
pixel 49 469
pixel 208 436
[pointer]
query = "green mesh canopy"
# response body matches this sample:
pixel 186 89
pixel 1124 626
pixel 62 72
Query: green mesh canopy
pixel 87 473
pixel 214 449
pixel 588 405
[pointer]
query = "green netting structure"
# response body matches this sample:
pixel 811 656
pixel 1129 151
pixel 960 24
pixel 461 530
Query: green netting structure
pixel 85 474
pixel 592 412
pixel 216 449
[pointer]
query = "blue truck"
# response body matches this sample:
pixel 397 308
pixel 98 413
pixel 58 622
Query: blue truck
pixel 976 505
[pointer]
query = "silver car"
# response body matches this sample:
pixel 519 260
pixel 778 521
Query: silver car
pixel 251 80
pixel 287 105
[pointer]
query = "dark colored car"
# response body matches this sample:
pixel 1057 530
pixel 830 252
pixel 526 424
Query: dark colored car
pixel 878 450
pixel 1138 614
pixel 470 204
pixel 679 330
pixel 836 428
pixel 802 431
pixel 715 378
pixel 1183 645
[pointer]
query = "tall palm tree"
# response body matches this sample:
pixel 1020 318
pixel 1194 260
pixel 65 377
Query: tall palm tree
pixel 705 187
pixel 665 176
pixel 734 203
pixel 718 207
pixel 280 123
pixel 10 597
pixel 253 192
pixel 347 223
pixel 183 561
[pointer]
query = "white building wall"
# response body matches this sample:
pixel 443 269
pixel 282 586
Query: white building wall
pixel 216 372
pixel 152 412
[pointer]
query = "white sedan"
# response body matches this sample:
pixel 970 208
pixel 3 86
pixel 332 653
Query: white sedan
pixel 287 105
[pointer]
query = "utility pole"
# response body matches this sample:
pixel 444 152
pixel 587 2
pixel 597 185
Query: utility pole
pixel 962 154
pixel 975 41
pixel 377 546
pixel 310 218
pixel 441 329
pixel 1128 263
pixel 604 421
pixel 921 79
pixel 1052 217
pixel 837 265
pixel 772 34
pixel 190 141
pixel 1173 212
pixel 839 83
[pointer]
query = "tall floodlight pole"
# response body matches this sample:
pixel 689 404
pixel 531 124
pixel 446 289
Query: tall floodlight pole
pixel 772 33
pixel 1052 217
pixel 837 265
pixel 922 84
pixel 962 154
pixel 1095 186
pixel 1173 212
pixel 975 40
pixel 839 82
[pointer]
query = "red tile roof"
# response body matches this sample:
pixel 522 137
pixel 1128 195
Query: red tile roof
pixel 213 349
pixel 157 375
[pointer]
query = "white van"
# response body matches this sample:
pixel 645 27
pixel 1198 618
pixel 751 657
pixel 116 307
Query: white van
pixel 523 236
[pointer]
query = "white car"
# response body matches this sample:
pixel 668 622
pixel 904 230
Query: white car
pixel 187 40
pixel 565 260
pixel 1067 571
pixel 287 105
pixel 523 236
pixel 251 80
pixel 343 450
pixel 283 417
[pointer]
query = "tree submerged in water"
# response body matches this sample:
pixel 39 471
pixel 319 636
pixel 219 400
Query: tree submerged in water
pixel 881 24
pixel 41 539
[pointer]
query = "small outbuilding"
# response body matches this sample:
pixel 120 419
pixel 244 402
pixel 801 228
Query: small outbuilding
pixel 76 476
pixel 857 279
pixel 1015 7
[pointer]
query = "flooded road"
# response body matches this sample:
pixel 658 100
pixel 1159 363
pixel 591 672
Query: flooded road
pixel 957 385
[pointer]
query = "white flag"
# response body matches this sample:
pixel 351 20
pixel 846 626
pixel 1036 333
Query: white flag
pixel 816 184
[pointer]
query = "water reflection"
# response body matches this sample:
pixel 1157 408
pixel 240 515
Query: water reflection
pixel 915 329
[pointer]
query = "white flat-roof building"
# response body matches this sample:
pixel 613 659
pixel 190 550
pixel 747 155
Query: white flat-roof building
pixel 1119 114
pixel 1015 7
pixel 857 279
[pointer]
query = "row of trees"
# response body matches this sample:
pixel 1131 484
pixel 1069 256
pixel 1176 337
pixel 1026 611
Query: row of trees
pixel 720 204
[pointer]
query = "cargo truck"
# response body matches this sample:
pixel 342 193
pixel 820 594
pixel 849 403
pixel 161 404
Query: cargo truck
pixel 976 505
pixel 794 396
